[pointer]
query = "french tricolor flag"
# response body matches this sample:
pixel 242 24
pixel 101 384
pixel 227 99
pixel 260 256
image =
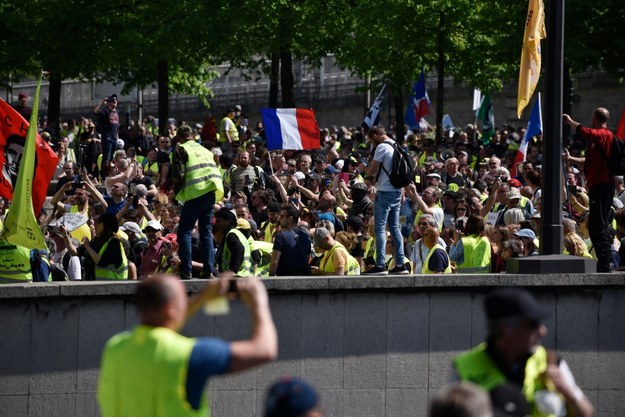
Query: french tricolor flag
pixel 292 129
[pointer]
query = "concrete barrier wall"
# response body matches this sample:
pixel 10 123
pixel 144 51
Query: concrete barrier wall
pixel 372 346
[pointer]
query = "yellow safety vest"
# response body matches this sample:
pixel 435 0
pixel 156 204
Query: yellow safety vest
pixel 269 228
pixel 14 263
pixel 265 248
pixel 246 266
pixel 202 175
pixel 352 266
pixel 111 272
pixel 144 372
pixel 478 367
pixel 233 131
pixel 476 255
pixel 426 270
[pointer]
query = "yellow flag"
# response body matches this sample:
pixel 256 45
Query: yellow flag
pixel 20 224
pixel 531 54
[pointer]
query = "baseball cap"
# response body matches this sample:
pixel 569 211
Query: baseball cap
pixel 513 182
pixel 226 214
pixel 430 160
pixel 360 186
pixel 320 158
pixel 354 221
pixel 290 397
pixel 22 96
pixel 433 175
pixel 112 97
pixel 513 302
pixel 320 234
pixel 273 207
pixel 243 224
pixel 508 401
pixel 154 225
pixel 514 194
pixel 131 227
pixel 528 233
pixel 238 107
pixel 299 176
pixel 330 170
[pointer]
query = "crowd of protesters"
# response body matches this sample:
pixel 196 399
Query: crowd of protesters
pixel 285 213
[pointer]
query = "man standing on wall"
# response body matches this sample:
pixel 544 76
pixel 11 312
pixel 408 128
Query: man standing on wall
pixel 387 204
pixel 155 371
pixel 600 183
pixel 107 127
pixel 198 184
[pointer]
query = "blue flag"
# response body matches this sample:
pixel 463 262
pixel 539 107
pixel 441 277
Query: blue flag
pixel 419 103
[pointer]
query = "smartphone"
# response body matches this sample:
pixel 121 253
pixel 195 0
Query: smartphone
pixel 135 201
pixel 344 176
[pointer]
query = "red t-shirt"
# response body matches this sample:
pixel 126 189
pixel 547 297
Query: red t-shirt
pixel 596 167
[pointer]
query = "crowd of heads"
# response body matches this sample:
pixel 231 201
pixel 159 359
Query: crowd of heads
pixel 482 188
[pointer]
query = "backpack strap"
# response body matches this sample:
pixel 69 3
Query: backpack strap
pixel 392 145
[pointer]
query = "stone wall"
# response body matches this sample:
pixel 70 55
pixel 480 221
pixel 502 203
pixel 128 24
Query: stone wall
pixel 372 346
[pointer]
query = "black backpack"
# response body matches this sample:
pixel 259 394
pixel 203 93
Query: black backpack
pixel 616 160
pixel 402 169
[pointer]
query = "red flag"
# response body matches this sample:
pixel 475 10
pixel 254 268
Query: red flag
pixel 620 131
pixel 13 128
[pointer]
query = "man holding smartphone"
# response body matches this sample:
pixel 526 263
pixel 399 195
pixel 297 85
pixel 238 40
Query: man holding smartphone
pixel 154 370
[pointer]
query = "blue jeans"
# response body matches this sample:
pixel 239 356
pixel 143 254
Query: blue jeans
pixel 387 209
pixel 109 144
pixel 199 210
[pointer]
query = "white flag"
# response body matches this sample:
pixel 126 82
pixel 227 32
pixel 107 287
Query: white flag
pixel 477 99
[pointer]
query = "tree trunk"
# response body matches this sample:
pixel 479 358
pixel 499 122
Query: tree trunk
pixel 274 80
pixel 399 114
pixel 440 87
pixel 286 77
pixel 54 104
pixel 163 96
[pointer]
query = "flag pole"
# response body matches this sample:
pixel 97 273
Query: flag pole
pixel 270 163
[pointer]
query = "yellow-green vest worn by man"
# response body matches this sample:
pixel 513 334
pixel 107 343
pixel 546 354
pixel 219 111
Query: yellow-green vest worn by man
pixel 14 263
pixel 234 133
pixel 112 272
pixel 264 249
pixel 246 266
pixel 126 390
pixel 201 173
pixel 352 266
pixel 476 255
pixel 426 270
pixel 478 367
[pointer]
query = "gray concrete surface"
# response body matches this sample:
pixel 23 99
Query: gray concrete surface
pixel 373 346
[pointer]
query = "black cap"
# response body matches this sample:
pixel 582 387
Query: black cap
pixel 355 222
pixel 112 97
pixel 273 207
pixel 290 397
pixel 508 401
pixel 513 302
pixel 226 214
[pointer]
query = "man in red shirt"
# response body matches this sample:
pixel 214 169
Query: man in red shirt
pixel 600 183
pixel 154 253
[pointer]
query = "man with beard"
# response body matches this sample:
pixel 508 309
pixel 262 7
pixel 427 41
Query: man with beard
pixel 361 205
pixel 291 249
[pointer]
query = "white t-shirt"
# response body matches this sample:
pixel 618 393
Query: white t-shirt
pixel 384 155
